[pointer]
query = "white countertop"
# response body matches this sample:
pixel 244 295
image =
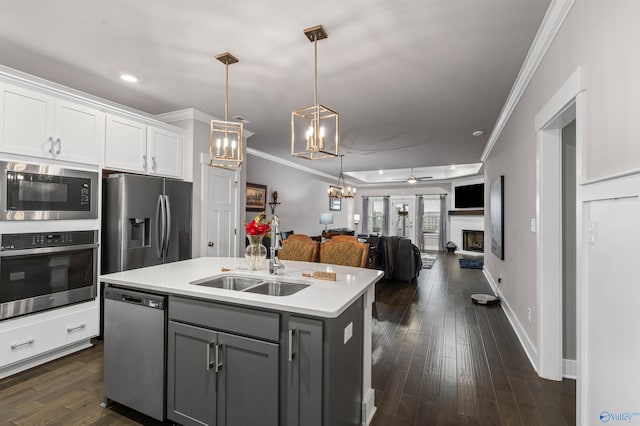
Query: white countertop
pixel 322 298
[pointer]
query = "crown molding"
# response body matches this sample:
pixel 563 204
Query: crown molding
pixel 287 163
pixel 551 23
pixel 196 115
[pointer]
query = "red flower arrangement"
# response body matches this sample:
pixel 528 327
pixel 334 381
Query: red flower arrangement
pixel 258 226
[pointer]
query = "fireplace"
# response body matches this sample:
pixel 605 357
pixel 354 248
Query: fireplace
pixel 473 241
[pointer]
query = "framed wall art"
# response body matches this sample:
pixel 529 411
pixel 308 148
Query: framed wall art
pixel 256 197
pixel 496 203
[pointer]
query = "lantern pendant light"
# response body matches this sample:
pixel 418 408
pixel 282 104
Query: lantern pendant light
pixel 338 190
pixel 225 143
pixel 314 129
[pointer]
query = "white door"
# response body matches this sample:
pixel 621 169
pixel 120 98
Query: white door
pixel 402 216
pixel 220 194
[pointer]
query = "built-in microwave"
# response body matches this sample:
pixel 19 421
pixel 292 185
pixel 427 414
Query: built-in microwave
pixel 46 192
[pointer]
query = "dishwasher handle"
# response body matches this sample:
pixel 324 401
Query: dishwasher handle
pixel 149 300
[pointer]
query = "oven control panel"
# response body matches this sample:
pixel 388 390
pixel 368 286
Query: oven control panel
pixel 46 239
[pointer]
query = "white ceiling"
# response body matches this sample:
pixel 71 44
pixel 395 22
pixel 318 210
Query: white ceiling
pixel 411 79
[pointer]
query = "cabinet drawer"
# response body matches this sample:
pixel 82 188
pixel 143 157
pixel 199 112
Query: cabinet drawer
pixel 235 319
pixel 20 343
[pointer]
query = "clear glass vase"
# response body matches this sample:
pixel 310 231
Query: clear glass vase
pixel 255 253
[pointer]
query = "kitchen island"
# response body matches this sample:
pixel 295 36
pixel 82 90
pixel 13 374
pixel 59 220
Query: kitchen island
pixel 302 352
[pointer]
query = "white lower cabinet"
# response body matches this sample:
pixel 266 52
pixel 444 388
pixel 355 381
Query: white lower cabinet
pixel 26 337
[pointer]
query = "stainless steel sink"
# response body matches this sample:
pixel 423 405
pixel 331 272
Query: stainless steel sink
pixel 253 285
pixel 277 288
pixel 231 283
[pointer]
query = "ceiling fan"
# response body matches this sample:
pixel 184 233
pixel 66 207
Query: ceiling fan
pixel 413 179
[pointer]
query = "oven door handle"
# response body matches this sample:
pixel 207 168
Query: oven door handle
pixel 44 250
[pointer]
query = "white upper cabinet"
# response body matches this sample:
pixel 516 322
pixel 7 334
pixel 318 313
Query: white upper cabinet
pixel 165 151
pixel 36 124
pixel 126 145
pixel 134 146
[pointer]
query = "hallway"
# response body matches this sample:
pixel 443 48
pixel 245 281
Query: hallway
pixel 438 359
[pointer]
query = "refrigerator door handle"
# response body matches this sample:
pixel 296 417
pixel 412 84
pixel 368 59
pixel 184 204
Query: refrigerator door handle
pixel 160 213
pixel 168 237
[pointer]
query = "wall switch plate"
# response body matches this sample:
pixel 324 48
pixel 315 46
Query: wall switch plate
pixel 348 332
pixel 533 225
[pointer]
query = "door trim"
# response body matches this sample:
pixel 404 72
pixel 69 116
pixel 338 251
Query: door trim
pixel 567 104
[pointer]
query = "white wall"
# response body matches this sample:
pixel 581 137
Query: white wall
pixel 600 36
pixel 303 196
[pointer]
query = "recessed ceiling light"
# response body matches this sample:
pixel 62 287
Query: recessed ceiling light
pixel 478 133
pixel 129 78
pixel 241 119
pixel 380 172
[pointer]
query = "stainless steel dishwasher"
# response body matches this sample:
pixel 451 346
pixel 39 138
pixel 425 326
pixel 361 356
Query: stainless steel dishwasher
pixel 134 350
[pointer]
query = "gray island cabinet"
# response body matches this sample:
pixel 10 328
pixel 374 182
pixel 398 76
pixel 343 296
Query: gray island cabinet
pixel 232 365
pixel 237 358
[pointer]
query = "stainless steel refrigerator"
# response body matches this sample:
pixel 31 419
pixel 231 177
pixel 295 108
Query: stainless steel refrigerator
pixel 145 221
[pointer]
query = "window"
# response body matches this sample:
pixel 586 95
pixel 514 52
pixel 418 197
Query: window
pixel 376 216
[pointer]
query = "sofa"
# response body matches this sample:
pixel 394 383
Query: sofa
pixel 328 234
pixel 397 257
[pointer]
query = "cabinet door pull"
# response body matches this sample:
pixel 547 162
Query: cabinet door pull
pixel 59 143
pixel 50 144
pixel 154 165
pixel 17 345
pixel 208 356
pixel 77 327
pixel 144 165
pixel 218 363
pixel 292 332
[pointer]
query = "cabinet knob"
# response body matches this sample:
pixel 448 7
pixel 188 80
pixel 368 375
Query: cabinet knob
pixel 210 244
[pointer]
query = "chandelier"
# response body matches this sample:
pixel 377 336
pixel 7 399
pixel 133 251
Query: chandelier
pixel 337 190
pixel 314 129
pixel 225 142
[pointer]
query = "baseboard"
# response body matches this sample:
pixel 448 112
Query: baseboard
pixel 470 253
pixel 569 369
pixel 368 407
pixel 525 342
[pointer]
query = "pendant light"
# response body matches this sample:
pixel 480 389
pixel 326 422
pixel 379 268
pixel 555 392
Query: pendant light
pixel 314 129
pixel 338 190
pixel 225 143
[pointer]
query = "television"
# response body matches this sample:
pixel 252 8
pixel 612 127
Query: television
pixel 469 196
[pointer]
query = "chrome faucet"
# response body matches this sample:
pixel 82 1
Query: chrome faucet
pixel 274 263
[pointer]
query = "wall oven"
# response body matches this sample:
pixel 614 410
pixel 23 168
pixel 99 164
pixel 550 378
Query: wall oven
pixel 45 192
pixel 40 271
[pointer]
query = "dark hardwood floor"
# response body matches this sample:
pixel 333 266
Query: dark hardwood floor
pixel 437 360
